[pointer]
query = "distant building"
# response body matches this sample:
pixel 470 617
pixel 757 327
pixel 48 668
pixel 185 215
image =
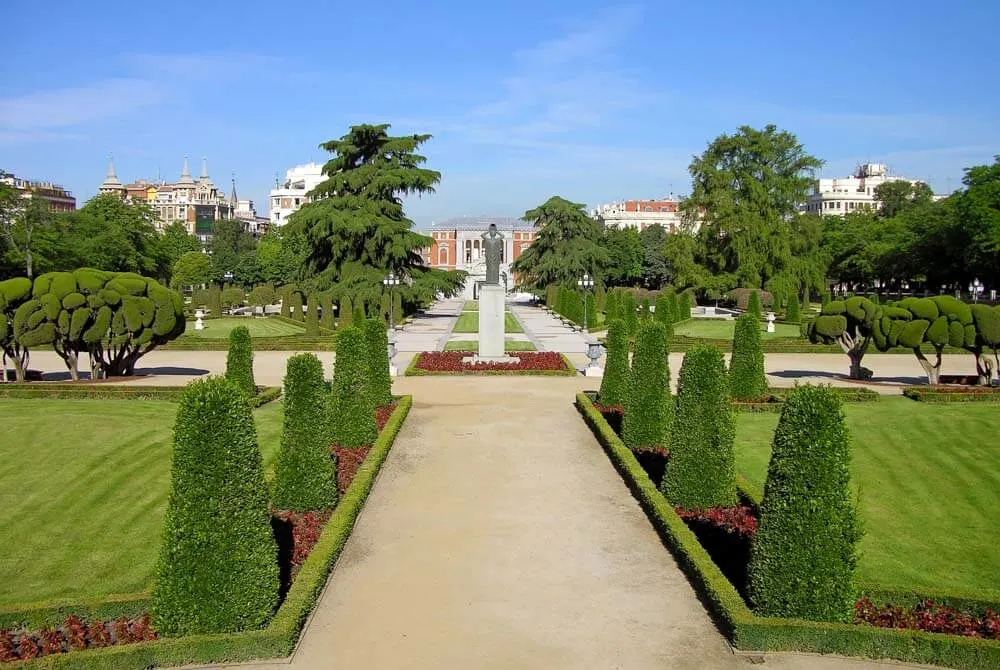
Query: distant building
pixel 843 195
pixel 196 203
pixel 58 198
pixel 458 246
pixel 288 196
pixel 640 214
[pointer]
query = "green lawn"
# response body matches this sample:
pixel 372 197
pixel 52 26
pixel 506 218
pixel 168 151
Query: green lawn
pixel 471 306
pixel 468 322
pixel 473 345
pixel 929 477
pixel 722 329
pixel 83 488
pixel 259 327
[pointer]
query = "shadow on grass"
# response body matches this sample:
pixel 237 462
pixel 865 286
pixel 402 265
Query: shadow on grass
pixel 804 374
pixel 63 376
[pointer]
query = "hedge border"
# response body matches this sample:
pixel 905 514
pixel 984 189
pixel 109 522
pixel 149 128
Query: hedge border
pixel 279 638
pixel 749 632
pixel 58 391
pixel 54 612
pixel 974 394
pixel 413 371
pixel 849 395
pixel 285 343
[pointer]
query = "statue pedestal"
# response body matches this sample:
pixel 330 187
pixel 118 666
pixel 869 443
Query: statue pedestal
pixel 491 323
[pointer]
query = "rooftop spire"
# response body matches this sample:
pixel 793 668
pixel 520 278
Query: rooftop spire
pixel 204 167
pixel 185 173
pixel 111 180
pixel 233 200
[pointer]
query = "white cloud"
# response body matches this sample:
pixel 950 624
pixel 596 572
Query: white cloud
pixel 64 107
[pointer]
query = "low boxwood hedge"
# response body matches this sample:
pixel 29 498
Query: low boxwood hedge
pixel 99 391
pixel 952 394
pixel 279 637
pixel 750 632
pixel 775 397
pixel 286 343
pixel 54 613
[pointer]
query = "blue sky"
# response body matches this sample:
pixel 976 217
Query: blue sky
pixel 588 100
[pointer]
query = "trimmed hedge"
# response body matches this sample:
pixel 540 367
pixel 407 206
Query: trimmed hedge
pixel 753 305
pixel 648 413
pixel 804 552
pixel 346 312
pixel 239 361
pixel 326 304
pixel 377 342
pixel 312 316
pixel 55 391
pixel 305 477
pixel 746 367
pixel 217 570
pixel 749 632
pixel 939 394
pixel 614 383
pixel 54 613
pixel 352 423
pixel 793 314
pixel 701 470
pixel 628 313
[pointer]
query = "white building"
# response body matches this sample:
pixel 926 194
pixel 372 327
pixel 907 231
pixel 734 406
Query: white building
pixel 843 195
pixel 640 214
pixel 286 197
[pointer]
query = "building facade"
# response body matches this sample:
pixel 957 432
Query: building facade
pixel 289 195
pixel 640 214
pixel 57 197
pixel 198 204
pixel 843 195
pixel 458 245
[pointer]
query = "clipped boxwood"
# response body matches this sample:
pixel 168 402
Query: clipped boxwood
pixel 217 570
pixel 239 360
pixel 648 411
pixel 804 552
pixel 352 423
pixel 379 381
pixel 305 475
pixel 746 367
pixel 614 383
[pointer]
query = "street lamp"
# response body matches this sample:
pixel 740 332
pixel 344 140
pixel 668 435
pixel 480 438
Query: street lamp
pixel 389 282
pixel 228 276
pixel 975 288
pixel 586 284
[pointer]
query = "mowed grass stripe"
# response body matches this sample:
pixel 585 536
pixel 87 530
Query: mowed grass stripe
pixel 84 485
pixel 928 478
pixel 468 322
pixel 258 327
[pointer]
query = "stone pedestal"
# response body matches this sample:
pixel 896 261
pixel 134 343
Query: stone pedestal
pixel 593 371
pixel 491 323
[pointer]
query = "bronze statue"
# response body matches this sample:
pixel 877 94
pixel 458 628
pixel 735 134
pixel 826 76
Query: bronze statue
pixel 492 250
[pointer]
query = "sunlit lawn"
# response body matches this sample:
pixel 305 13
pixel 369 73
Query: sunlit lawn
pixel 83 489
pixel 468 322
pixel 722 329
pixel 473 345
pixel 259 327
pixel 929 477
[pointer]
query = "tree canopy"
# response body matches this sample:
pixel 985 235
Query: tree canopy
pixel 567 245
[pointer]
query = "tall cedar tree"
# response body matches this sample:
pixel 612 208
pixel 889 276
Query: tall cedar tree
pixel 218 568
pixel 353 421
pixel 567 245
pixel 355 224
pixel 239 360
pixel 701 472
pixel 649 405
pixel 746 367
pixel 804 552
pixel 305 475
pixel 379 381
pixel 614 384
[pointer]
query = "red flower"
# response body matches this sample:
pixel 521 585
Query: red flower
pixel 451 361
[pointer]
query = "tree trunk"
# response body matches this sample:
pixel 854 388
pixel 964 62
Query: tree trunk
pixel 984 368
pixel 933 371
pixel 29 265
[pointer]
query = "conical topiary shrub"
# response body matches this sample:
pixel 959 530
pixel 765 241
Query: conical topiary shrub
pixel 611 306
pixel 664 314
pixel 684 307
pixel 701 472
pixel 792 312
pixel 753 305
pixel 218 567
pixel 305 475
pixel 379 381
pixel 312 316
pixel 746 367
pixel 239 360
pixel 804 552
pixel 648 404
pixel 326 304
pixel 286 302
pixel 353 421
pixel 629 313
pixel 297 312
pixel 614 384
pixel 346 313
pixel 590 307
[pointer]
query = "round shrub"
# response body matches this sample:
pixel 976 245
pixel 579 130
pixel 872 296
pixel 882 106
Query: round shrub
pixel 305 477
pixel 353 421
pixel 746 367
pixel 239 360
pixel 803 556
pixel 614 384
pixel 379 381
pixel 648 404
pixel 218 568
pixel 700 473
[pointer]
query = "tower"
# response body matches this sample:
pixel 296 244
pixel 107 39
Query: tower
pixel 111 183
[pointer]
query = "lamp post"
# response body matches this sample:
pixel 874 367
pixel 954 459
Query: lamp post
pixel 586 283
pixel 389 282
pixel 975 288
pixel 228 275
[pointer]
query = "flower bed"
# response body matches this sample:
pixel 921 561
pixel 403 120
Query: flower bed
pixel 529 363
pixel 929 616
pixel 953 393
pixel 74 634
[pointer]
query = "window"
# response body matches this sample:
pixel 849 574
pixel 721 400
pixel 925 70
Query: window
pixel 442 254
pixel 838 204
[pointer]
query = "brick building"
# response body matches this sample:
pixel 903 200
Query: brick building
pixel 58 198
pixel 640 214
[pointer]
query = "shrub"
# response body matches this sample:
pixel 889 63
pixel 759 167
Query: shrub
pixel 262 295
pixel 551 292
pixel 297 312
pixel 746 367
pixel 614 384
pixel 232 297
pixel 590 303
pixel 379 381
pixel 792 313
pixel 359 312
pixel 326 304
pixel 648 404
pixel 312 316
pixel 753 305
pixel 239 360
pixel 644 313
pixel 346 311
pixel 629 313
pixel 397 307
pixel 286 302
pixel 305 477
pixel 611 306
pixel 217 569
pixel 700 473
pixel 684 307
pixel 213 296
pixel 803 556
pixel 353 420
pixel 664 314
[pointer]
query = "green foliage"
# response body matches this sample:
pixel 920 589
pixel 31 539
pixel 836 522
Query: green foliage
pixel 305 475
pixel 232 297
pixel 326 304
pixel 628 313
pixel 792 312
pixel 193 268
pixel 217 570
pixel 286 302
pixel 664 314
pixel 353 421
pixel 379 381
pixel 359 312
pixel 566 246
pixel 684 307
pixel 239 361
pixel 590 303
pixel 644 313
pixel 612 310
pixel 649 407
pixel 297 312
pixel 753 305
pixel 804 553
pixel 214 298
pixel 700 473
pixel 346 311
pixel 312 316
pixel 615 382
pixel 262 295
pixel 746 367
